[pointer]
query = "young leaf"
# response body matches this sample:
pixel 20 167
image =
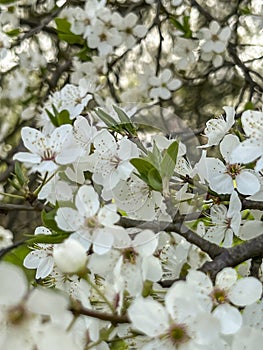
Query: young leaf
pixel 148 173
pixel 63 118
pixel 105 117
pixel 155 180
pixel 19 174
pixel 169 160
pixel 125 121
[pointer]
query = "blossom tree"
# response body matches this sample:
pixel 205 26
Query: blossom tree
pixel 131 174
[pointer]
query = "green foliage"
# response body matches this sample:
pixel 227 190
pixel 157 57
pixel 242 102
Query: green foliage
pixel 14 32
pixel 148 173
pixel 157 166
pixel 119 344
pixel 59 118
pixel 169 160
pixel 123 126
pixel 64 32
pixel 183 27
pixel 249 105
pixel 7 1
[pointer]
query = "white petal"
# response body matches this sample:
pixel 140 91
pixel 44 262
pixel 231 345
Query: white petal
pixel 145 243
pixel 227 145
pixel 247 183
pixel 206 329
pixel 68 219
pixel 251 229
pixel 27 157
pixel 229 317
pixel 226 278
pixel 104 141
pixel 13 284
pixel 149 317
pixel 245 291
pixel 45 267
pixel 42 230
pixel 33 140
pixel 108 216
pixel 87 201
pixel 103 241
pixel 32 260
pixel 219 181
pixel 151 269
pixel 246 152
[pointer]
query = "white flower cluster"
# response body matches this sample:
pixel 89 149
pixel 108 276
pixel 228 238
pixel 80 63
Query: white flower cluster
pixel 131 221
pixel 103 185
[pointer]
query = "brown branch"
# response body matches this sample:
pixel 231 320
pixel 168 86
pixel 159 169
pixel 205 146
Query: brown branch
pixel 77 309
pixel 211 249
pixel 234 256
pixel 4 208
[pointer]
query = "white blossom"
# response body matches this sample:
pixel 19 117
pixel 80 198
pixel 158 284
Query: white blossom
pixel 252 148
pixel 163 84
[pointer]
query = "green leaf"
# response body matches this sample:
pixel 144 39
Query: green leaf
pixel 118 344
pixel 13 32
pixel 183 27
pixel 84 54
pixel 52 118
pixel 63 118
pixel 249 105
pixel 148 173
pixel 64 33
pixel 169 160
pixel 143 166
pixel 155 180
pixel 48 219
pixel 105 117
pixel 155 156
pixel 122 115
pixel 19 174
pixel 6 1
pixel 125 121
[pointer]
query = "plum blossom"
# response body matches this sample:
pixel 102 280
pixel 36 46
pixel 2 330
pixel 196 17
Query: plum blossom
pixel 226 222
pixel 110 161
pixel 138 200
pixel 228 289
pixel 224 178
pixel 103 38
pixel 180 324
pixel 163 84
pixel 48 151
pixel 217 128
pixel 252 148
pixel 128 28
pixel 71 98
pixel 41 256
pixel 131 260
pixel 89 222
pixel 21 313
pixel 214 42
pixel 185 53
pixel 6 237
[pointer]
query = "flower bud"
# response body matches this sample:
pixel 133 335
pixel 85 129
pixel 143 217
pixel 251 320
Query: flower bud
pixel 70 256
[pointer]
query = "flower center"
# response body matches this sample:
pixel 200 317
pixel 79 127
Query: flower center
pixel 178 334
pixel 233 170
pixel 129 255
pixel 48 154
pixel 219 296
pixel 16 314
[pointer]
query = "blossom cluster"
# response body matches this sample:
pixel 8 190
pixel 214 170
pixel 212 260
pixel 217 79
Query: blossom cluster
pixel 149 238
